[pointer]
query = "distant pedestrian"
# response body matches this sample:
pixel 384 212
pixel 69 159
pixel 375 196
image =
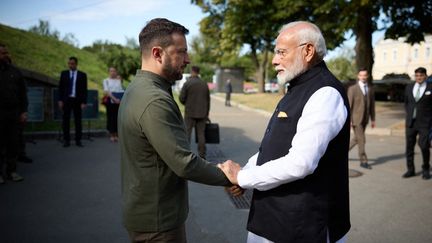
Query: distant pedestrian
pixel 418 107
pixel 195 95
pixel 13 111
pixel 362 105
pixel 112 87
pixel 72 98
pixel 228 91
pixel 156 160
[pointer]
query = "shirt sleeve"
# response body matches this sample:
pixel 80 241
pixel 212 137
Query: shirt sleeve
pixel 252 161
pixel 105 85
pixel 166 133
pixel 322 119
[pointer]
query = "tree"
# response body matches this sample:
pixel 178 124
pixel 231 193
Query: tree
pixel 71 39
pixel 255 23
pixel 124 59
pixel 44 28
pixel 402 18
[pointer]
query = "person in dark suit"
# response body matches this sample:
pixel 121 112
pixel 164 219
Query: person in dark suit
pixel 418 107
pixel 13 111
pixel 228 91
pixel 362 105
pixel 195 95
pixel 72 98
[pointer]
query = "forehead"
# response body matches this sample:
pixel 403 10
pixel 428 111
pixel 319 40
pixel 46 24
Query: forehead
pixel 178 40
pixel 285 38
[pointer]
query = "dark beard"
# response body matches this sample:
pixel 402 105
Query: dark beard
pixel 171 74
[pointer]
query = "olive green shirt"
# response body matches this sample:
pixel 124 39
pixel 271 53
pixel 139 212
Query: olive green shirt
pixel 156 159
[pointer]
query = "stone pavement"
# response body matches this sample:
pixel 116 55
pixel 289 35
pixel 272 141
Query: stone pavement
pixel 73 194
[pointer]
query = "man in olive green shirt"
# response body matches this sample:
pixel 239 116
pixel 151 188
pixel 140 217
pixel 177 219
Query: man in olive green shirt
pixel 156 159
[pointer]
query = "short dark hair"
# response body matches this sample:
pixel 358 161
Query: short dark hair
pixel 195 69
pixel 158 31
pixel 2 45
pixel 74 58
pixel 420 70
pixel 362 69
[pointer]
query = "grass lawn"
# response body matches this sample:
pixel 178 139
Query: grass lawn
pixel 263 101
pixel 268 101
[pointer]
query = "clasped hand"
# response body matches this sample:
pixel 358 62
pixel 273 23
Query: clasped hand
pixel 231 169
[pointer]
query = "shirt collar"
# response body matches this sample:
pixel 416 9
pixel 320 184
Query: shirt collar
pixel 421 85
pixel 162 82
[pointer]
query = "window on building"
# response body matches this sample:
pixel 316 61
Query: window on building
pixel 415 53
pixel 427 51
pixel 394 55
pixel 385 56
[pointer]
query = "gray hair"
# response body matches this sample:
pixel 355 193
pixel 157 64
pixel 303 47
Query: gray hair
pixel 311 35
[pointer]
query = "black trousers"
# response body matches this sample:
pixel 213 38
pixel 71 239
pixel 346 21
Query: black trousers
pixel 423 142
pixel 112 114
pixel 72 105
pixel 8 140
pixel 199 125
pixel 227 98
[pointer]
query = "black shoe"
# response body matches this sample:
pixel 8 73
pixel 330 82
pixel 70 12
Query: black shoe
pixel 79 144
pixel 408 174
pixel 25 159
pixel 426 175
pixel 365 165
pixel 66 144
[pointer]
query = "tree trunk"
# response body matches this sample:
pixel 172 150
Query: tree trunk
pixel 260 70
pixel 363 48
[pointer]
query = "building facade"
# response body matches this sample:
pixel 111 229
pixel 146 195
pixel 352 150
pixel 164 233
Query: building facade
pixel 396 56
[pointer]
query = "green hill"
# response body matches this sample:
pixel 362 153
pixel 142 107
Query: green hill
pixel 49 56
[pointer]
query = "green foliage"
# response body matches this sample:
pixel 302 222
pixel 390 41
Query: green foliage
pixel 397 76
pixel 124 59
pixel 44 28
pixel 230 24
pixel 343 68
pixel 49 56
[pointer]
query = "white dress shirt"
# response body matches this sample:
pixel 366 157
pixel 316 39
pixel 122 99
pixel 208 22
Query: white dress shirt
pixel 363 87
pixel 322 119
pixel 111 85
pixel 422 89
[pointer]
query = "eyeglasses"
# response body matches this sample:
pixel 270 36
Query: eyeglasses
pixel 283 52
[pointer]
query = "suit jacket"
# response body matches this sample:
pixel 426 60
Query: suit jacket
pixel 359 112
pixel 195 95
pixel 80 86
pixel 423 107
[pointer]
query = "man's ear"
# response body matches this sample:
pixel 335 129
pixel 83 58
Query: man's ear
pixel 310 52
pixel 156 53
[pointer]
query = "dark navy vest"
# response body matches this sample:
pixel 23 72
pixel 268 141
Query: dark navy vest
pixel 303 210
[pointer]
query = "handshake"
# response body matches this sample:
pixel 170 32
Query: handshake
pixel 231 169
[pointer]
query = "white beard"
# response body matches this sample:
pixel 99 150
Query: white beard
pixel 291 72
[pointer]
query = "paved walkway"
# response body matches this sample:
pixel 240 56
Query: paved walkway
pixel 73 194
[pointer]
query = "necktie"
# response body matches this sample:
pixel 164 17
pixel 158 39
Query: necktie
pixel 365 90
pixel 71 81
pixel 417 98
